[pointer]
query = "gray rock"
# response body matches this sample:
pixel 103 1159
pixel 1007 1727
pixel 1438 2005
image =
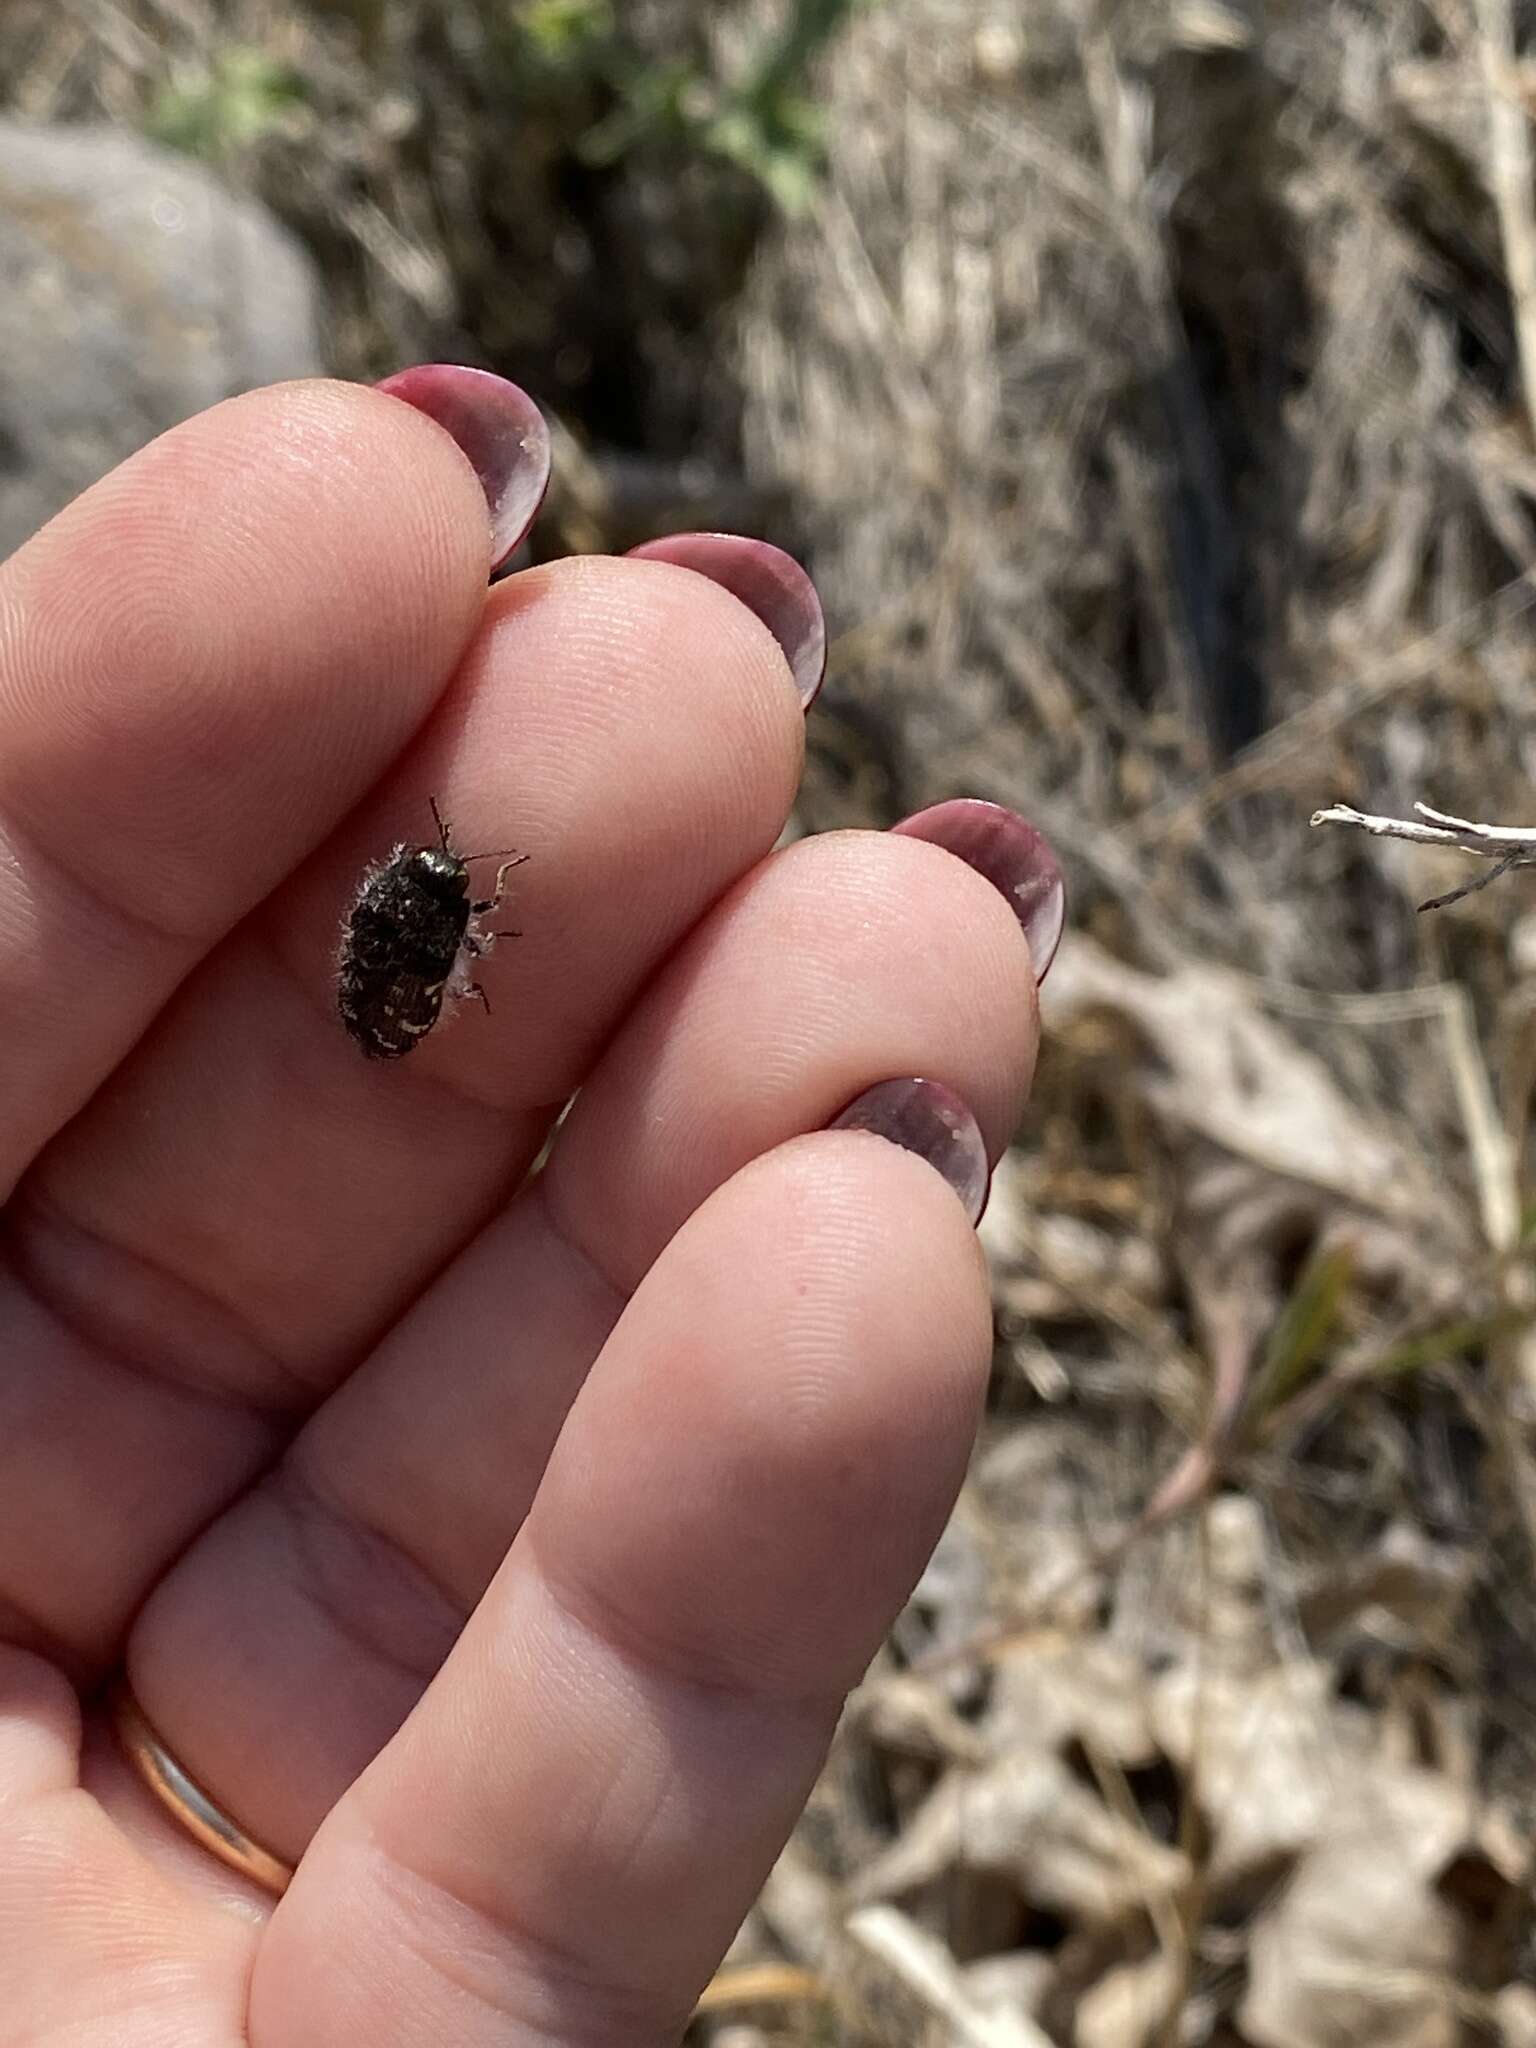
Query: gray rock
pixel 134 291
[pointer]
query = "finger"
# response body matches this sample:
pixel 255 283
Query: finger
pixel 203 663
pixel 233 1220
pixel 568 1830
pixel 39 1733
pixel 346 1576
pixel 845 960
pixel 95 1943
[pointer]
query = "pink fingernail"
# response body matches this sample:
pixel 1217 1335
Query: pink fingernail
pixel 929 1119
pixel 498 427
pixel 1015 858
pixel 768 582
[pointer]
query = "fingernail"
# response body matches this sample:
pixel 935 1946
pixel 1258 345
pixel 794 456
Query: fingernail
pixel 929 1119
pixel 768 582
pixel 1015 858
pixel 498 427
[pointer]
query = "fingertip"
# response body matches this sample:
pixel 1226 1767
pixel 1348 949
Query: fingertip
pixel 211 653
pixel 499 430
pixel 930 1120
pixel 714 615
pixel 769 582
pixel 649 649
pixel 40 1728
pixel 781 1421
pixel 1010 853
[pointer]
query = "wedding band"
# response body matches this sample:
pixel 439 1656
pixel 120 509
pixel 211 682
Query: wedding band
pixel 185 1799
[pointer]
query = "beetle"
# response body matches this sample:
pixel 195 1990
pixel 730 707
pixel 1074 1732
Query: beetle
pixel 408 942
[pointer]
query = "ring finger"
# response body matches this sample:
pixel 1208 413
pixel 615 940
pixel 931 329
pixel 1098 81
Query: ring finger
pixel 561 1841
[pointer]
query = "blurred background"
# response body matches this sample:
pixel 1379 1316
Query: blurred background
pixel 1150 389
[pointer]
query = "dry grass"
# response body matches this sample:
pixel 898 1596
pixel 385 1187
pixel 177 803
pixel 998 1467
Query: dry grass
pixel 1151 386
pixel 1150 383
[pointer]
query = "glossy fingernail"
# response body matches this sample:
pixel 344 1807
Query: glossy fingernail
pixel 929 1119
pixel 768 582
pixel 1015 858
pixel 498 427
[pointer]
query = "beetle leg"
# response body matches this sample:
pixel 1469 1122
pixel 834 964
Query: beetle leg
pixel 491 901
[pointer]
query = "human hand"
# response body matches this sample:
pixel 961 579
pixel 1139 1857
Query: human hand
pixel 287 1341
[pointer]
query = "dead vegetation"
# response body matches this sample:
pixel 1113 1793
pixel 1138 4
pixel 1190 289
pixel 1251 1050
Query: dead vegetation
pixel 1151 387
pixel 1151 384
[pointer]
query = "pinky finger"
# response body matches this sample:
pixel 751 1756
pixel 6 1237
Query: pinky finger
pixel 562 1840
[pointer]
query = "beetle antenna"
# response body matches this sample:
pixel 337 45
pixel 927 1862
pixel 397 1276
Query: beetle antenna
pixel 501 853
pixel 442 829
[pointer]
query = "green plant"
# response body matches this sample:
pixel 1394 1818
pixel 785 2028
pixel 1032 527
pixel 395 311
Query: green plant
pixel 565 32
pixel 1306 1324
pixel 764 121
pixel 230 103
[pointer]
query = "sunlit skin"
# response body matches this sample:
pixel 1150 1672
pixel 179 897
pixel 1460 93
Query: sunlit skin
pixel 500 1556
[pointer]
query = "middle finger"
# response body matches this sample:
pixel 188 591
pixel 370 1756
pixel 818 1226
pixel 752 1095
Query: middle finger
pixel 227 1226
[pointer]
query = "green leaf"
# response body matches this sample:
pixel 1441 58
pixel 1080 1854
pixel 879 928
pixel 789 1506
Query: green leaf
pixel 1302 1330
pixel 1451 1340
pixel 241 97
pixel 565 31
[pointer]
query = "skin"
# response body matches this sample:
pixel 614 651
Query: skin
pixel 285 1354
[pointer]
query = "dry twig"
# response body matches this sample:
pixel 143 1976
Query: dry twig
pixel 1507 846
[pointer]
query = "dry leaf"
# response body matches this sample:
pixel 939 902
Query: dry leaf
pixel 1267 1759
pixel 927 1972
pixel 1216 1066
pixel 908 1714
pixel 1062 1691
pixel 1363 1949
pixel 1029 1819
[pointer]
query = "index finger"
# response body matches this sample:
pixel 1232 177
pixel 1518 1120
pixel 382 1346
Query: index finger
pixel 204 662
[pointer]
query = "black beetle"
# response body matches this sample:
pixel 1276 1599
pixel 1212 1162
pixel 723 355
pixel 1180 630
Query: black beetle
pixel 408 942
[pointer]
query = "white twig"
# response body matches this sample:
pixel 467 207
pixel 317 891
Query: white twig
pixel 1507 846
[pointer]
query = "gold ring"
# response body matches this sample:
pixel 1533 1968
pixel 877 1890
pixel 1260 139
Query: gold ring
pixel 184 1798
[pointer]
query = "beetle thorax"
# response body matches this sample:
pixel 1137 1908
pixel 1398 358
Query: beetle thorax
pixel 441 872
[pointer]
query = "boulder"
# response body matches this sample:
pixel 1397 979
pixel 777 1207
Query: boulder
pixel 134 291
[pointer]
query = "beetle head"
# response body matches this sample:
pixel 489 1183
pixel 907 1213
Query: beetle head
pixel 439 872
